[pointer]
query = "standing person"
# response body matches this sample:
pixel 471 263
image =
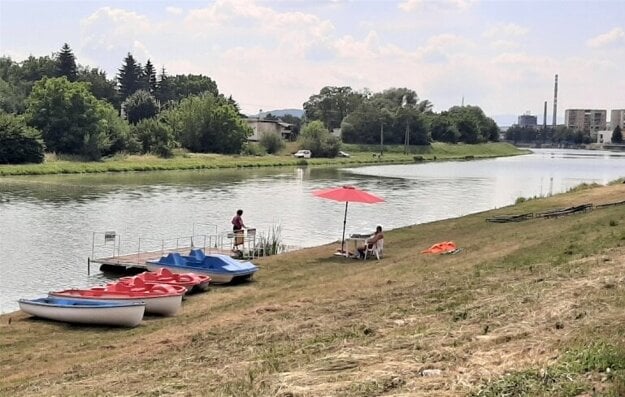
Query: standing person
pixel 237 228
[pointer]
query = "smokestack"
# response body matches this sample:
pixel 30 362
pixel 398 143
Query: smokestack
pixel 545 117
pixel 555 102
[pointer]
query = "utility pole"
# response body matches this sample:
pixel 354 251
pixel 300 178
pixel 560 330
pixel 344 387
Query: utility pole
pixel 404 103
pixel 407 138
pixel 381 138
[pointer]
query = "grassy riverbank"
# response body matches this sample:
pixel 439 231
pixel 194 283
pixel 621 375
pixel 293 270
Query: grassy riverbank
pixel 525 309
pixel 359 155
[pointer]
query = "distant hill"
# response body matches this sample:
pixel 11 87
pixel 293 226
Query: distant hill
pixel 282 112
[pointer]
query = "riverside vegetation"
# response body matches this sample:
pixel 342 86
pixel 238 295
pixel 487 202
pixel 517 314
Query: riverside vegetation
pixel 360 154
pixel 526 309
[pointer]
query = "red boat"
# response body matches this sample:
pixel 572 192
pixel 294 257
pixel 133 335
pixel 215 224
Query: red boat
pixel 160 299
pixel 190 281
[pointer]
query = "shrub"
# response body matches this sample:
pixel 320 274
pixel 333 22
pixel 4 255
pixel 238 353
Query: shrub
pixel 19 143
pixel 316 138
pixel 154 137
pixel 253 149
pixel 140 106
pixel 272 142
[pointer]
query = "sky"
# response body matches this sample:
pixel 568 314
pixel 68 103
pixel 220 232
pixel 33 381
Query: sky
pixel 499 55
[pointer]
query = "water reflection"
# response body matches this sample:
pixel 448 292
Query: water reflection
pixel 46 222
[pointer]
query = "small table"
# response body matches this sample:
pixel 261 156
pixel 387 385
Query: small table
pixel 358 241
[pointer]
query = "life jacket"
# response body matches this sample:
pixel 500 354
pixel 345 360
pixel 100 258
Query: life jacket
pixel 438 248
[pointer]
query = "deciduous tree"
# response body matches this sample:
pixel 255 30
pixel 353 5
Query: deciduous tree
pixel 139 106
pixel 19 143
pixel 316 138
pixel 332 105
pixel 71 119
pixel 155 137
pixel 99 85
pixel 207 124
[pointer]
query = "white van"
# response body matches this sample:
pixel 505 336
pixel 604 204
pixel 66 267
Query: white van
pixel 303 154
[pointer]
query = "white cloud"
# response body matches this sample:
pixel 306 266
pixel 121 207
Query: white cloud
pixel 614 36
pixel 174 10
pixel 107 28
pixel 267 58
pixel 505 30
pixel 412 5
pixel 348 47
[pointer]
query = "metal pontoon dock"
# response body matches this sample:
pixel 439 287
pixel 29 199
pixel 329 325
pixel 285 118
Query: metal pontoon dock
pixel 114 254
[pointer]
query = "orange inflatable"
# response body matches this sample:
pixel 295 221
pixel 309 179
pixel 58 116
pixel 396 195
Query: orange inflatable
pixel 440 248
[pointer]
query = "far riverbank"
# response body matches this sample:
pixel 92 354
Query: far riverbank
pixel 359 155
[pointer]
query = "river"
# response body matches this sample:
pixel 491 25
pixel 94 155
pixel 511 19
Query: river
pixel 47 222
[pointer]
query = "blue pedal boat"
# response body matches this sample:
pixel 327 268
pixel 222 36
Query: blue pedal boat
pixel 85 311
pixel 220 268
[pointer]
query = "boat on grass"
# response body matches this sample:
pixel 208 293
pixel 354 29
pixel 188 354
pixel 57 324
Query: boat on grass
pixel 162 299
pixel 85 311
pixel 220 268
pixel 191 281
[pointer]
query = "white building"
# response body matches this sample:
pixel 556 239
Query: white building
pixel 604 137
pixel 261 127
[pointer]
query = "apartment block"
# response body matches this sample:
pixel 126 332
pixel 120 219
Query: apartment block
pixel 617 117
pixel 589 120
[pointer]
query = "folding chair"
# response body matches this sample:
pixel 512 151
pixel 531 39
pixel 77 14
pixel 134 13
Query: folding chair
pixel 377 249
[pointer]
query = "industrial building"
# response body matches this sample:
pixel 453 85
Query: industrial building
pixel 528 121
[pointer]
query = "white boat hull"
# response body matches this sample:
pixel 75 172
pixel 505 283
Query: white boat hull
pixel 124 316
pixel 162 305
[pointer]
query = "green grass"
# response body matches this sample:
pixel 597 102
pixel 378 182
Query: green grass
pixel 571 375
pixel 187 161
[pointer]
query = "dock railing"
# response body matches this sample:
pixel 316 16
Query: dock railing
pixel 113 249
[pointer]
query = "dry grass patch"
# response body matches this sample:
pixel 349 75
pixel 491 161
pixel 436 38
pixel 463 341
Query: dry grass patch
pixel 535 308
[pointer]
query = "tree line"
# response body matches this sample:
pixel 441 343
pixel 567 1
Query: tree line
pixel 560 135
pixel 54 104
pixel 396 116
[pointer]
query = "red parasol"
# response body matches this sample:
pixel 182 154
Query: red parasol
pixel 347 194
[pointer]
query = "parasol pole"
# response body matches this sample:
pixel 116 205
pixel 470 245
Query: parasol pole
pixel 344 222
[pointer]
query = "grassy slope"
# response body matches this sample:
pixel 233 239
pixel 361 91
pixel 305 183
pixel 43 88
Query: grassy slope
pixel 360 155
pixel 529 308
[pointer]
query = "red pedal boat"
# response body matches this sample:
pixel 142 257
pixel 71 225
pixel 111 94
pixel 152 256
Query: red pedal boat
pixel 190 281
pixel 162 299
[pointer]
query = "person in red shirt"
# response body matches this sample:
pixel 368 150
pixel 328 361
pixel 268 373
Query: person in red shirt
pixel 237 228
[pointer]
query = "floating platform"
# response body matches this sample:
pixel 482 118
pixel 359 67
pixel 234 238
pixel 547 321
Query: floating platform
pixel 136 261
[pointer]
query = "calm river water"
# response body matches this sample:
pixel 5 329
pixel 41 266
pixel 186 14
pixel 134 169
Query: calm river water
pixel 47 223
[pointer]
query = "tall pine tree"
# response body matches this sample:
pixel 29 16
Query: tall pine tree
pixel 150 76
pixel 129 77
pixel 66 63
pixel 166 90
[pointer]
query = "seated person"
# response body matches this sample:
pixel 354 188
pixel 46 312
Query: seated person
pixel 371 241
